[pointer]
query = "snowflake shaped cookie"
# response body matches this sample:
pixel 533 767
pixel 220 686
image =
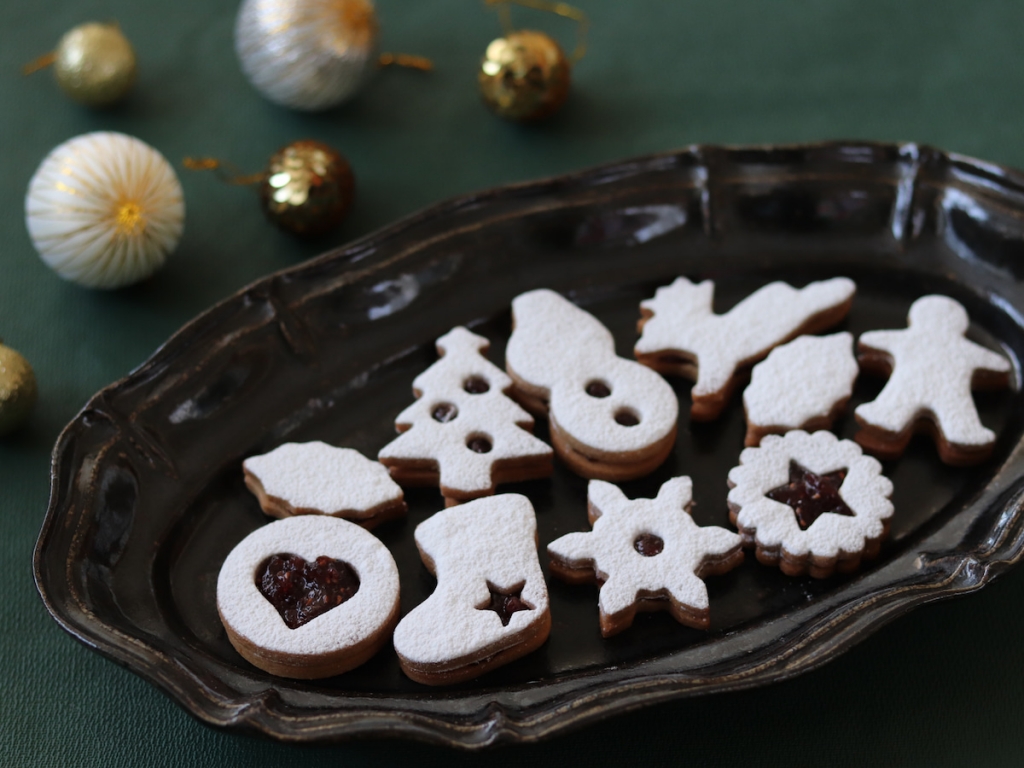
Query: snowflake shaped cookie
pixel 933 370
pixel 647 554
pixel 682 335
pixel 317 478
pixel 810 503
pixel 463 432
pixel 804 384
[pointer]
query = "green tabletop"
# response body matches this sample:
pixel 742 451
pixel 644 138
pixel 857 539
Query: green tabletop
pixel 941 686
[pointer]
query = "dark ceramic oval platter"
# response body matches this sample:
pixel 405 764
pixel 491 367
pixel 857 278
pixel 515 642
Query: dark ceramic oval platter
pixel 147 496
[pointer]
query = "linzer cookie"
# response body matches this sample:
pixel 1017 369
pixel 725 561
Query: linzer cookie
pixel 463 432
pixel 932 369
pixel 610 418
pixel 647 554
pixel 490 606
pixel 317 478
pixel 804 384
pixel 308 597
pixel 810 503
pixel 682 335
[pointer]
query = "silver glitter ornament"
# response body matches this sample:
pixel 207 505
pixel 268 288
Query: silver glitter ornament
pixel 307 54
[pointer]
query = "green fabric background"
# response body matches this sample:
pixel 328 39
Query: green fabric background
pixel 942 686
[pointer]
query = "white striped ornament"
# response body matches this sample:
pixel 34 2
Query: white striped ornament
pixel 104 210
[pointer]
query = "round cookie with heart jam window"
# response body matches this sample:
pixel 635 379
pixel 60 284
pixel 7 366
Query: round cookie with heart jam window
pixel 308 597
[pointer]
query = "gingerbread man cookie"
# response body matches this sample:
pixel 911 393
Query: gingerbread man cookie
pixel 804 384
pixel 463 432
pixel 933 369
pixel 647 554
pixel 810 503
pixel 317 478
pixel 610 418
pixel 682 335
pixel 490 606
pixel 308 597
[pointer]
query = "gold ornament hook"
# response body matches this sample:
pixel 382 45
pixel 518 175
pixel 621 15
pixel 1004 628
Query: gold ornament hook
pixel 227 172
pixel 559 9
pixel 422 63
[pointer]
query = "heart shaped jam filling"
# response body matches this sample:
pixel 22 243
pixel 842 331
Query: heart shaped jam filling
pixel 301 591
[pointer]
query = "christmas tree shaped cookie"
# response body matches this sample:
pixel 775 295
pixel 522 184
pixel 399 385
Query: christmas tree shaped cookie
pixel 647 554
pixel 933 370
pixel 463 432
pixel 682 335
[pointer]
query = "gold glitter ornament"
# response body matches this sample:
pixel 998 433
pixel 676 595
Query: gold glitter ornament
pixel 307 188
pixel 104 210
pixel 524 76
pixel 94 64
pixel 17 389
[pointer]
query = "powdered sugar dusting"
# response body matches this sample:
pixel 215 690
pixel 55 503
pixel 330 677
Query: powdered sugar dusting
pixel 800 381
pixel 319 477
pixel 684 322
pixel 609 547
pixel 559 348
pixel 865 490
pixel 933 365
pixel 253 617
pixel 490 541
pixel 491 415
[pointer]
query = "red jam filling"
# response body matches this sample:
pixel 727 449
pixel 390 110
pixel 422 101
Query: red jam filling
pixel 627 418
pixel 301 591
pixel 649 545
pixel 476 385
pixel 811 495
pixel 444 412
pixel 505 605
pixel 479 445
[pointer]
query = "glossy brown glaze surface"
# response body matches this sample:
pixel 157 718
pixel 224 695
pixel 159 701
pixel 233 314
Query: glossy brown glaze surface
pixel 147 492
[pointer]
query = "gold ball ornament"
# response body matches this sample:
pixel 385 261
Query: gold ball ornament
pixel 94 64
pixel 104 210
pixel 524 76
pixel 307 54
pixel 307 188
pixel 17 389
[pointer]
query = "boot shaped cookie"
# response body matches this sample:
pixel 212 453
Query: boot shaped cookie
pixel 491 603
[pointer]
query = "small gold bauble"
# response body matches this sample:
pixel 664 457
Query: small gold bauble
pixel 95 64
pixel 308 188
pixel 17 389
pixel 524 76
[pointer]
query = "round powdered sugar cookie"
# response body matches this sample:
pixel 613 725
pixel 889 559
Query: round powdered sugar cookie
pixel 933 369
pixel 317 478
pixel 490 606
pixel 610 418
pixel 308 597
pixel 804 384
pixel 682 335
pixel 810 503
pixel 463 432
pixel 647 554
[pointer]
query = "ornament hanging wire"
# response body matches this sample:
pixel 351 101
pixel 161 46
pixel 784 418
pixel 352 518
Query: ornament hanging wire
pixel 559 9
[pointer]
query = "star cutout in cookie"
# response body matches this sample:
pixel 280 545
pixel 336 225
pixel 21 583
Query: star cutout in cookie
pixel 647 554
pixel 506 603
pixel 811 495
